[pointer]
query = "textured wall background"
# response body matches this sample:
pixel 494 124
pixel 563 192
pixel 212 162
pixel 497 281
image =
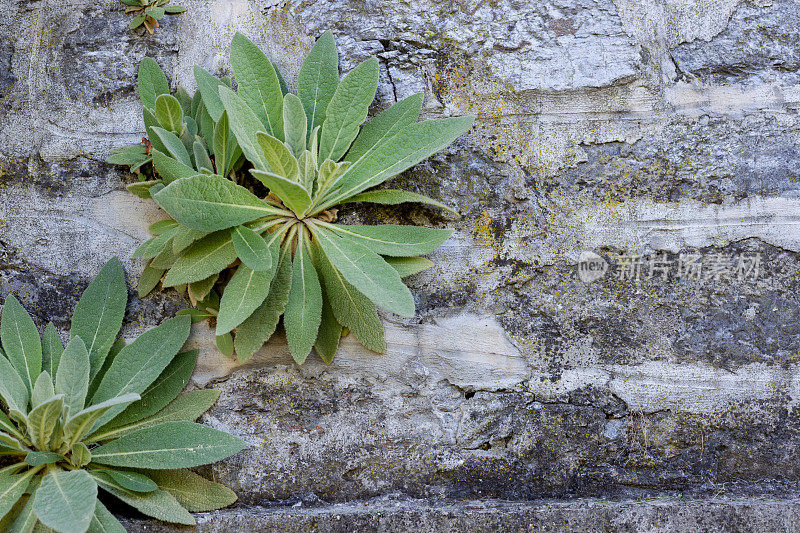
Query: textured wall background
pixel 623 127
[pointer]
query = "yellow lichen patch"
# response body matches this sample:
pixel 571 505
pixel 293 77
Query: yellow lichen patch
pixel 484 230
pixel 500 128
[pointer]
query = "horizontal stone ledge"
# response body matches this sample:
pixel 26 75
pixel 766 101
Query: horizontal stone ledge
pixel 407 516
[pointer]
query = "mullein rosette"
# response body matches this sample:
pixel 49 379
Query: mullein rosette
pixel 148 13
pixel 251 180
pixel 102 414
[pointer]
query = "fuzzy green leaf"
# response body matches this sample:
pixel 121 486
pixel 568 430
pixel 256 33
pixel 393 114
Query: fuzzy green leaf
pixel 368 273
pixel 351 308
pixel 384 126
pixel 225 146
pixel 208 86
pixel 149 280
pixel 13 390
pixel 12 487
pixel 185 100
pixel 294 124
pixel 160 393
pixel 210 203
pixel 347 110
pixel 244 293
pixel 278 156
pixel 98 316
pixel 184 237
pixel 137 21
pixel 42 421
pixel 142 188
pixel 153 247
pixel 329 172
pixel 195 314
pixel 7 426
pixel 188 406
pixel 330 332
pixel 170 168
pixel 152 82
pixel 291 193
pixel 258 83
pixel 174 146
pixel 208 256
pixel 72 379
pixel 169 113
pixel 395 197
pixel 42 458
pixel 65 501
pixel 308 170
pixel 168 446
pixel 194 492
pixel 394 240
pixel 192 128
pixel 225 344
pixel 245 125
pixel 166 258
pixel 199 290
pixel 187 138
pixel 313 144
pixel 157 228
pixel 132 481
pixel 204 122
pixel 141 362
pixel 159 504
pixel 150 122
pixel 155 12
pixel 51 349
pixel 408 266
pixel 117 347
pixel 129 154
pixel 304 308
pixel 415 143
pixel 201 157
pixel 42 389
pixel 25 520
pixel 251 248
pixel 104 522
pixel 81 423
pixel 260 326
pixel 21 341
pixel 80 456
pixel 318 79
pixel 9 443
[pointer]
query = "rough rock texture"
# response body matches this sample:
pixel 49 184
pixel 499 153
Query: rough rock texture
pixel 712 516
pixel 644 131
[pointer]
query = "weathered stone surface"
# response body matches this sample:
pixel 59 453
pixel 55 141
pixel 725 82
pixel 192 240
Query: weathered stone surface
pixel 759 40
pixel 630 128
pixel 489 516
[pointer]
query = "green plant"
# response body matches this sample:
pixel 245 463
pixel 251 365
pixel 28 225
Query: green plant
pixel 101 413
pixel 149 12
pixel 252 179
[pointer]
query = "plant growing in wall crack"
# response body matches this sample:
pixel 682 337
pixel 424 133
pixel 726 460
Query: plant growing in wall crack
pixel 251 180
pixel 149 12
pixel 101 414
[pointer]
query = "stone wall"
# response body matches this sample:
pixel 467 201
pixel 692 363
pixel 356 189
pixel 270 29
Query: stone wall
pixel 656 128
